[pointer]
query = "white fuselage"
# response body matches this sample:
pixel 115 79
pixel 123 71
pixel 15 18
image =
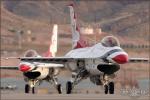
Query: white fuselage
pixel 96 53
pixel 44 72
pixel 42 69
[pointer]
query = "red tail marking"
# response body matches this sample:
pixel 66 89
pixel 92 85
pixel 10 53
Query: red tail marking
pixel 81 44
pixel 48 54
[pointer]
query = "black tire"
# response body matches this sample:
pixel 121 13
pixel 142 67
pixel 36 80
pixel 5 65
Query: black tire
pixel 68 87
pixel 33 90
pixel 111 88
pixel 27 88
pixel 59 88
pixel 106 89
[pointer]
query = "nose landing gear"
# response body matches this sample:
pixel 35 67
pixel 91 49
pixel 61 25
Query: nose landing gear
pixel 109 88
pixel 108 85
pixel 31 85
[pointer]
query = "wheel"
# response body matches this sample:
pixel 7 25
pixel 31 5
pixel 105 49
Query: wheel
pixel 59 88
pixel 106 89
pixel 68 87
pixel 111 88
pixel 33 90
pixel 27 88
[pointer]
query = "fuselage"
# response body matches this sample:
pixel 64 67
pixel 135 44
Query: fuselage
pixel 96 55
pixel 96 51
pixel 32 72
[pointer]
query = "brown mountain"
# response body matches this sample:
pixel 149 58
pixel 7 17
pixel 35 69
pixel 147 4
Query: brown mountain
pixel 127 19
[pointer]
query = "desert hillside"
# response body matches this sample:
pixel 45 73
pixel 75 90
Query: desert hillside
pixel 126 19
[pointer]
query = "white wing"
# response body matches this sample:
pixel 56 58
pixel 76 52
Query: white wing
pixel 47 60
pixel 48 65
pixel 9 67
pixel 139 60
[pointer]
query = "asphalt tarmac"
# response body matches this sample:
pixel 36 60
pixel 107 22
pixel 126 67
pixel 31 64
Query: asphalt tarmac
pixel 22 96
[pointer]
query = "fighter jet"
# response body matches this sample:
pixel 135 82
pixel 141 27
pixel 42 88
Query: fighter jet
pixel 35 72
pixel 99 62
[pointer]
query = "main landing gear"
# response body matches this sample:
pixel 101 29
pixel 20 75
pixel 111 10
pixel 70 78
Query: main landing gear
pixel 76 78
pixel 68 87
pixel 59 89
pixel 53 80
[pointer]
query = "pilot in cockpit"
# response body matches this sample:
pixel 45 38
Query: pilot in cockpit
pixel 110 41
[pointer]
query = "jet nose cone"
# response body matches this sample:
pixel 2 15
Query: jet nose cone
pixel 24 68
pixel 120 59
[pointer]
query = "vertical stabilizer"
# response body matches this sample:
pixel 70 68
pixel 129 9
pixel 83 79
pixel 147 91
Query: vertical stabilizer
pixel 53 44
pixel 77 41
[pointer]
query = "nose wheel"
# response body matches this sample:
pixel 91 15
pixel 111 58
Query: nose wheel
pixel 53 80
pixel 69 87
pixel 109 88
pixel 30 85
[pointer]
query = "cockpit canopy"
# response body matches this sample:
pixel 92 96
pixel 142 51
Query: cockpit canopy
pixel 110 41
pixel 31 53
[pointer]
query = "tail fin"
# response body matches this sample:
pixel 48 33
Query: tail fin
pixel 77 41
pixel 53 44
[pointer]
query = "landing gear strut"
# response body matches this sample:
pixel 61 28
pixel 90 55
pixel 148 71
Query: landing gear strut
pixel 59 89
pixel 77 77
pixel 33 90
pixel 53 80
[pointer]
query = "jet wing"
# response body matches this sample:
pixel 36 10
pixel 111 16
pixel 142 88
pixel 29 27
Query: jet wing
pixel 55 60
pixel 48 65
pixel 46 62
pixel 37 64
pixel 135 60
pixel 62 60
pixel 9 67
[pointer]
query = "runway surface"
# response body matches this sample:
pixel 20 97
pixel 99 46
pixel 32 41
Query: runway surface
pixel 22 96
pixel 80 92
